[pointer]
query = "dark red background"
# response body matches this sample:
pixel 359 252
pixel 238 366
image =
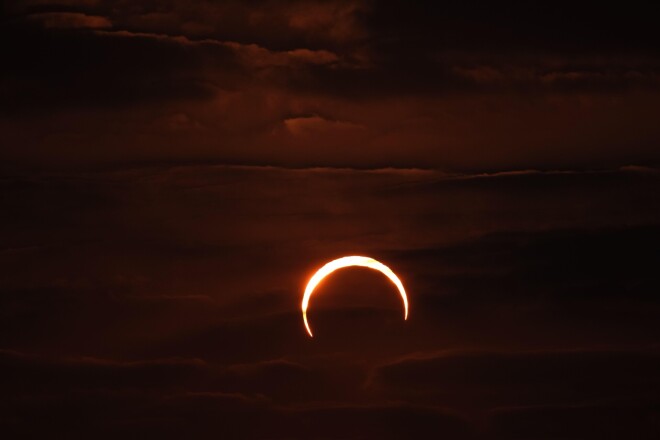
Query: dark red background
pixel 173 172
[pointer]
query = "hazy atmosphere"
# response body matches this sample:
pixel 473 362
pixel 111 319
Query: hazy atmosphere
pixel 172 173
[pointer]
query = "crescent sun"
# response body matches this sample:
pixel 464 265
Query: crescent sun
pixel 340 263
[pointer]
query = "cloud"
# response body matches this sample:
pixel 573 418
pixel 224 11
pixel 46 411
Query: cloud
pixel 172 172
pixel 24 373
pixel 135 249
pixel 389 421
pixel 241 71
pixel 335 21
pixel 500 378
pixel 67 3
pixel 283 25
pixel 279 379
pixel 310 125
pixel 508 275
pixel 170 396
pixel 143 69
pixel 589 420
pixel 71 20
pixel 207 415
pixel 146 66
pixel 574 76
pixel 609 264
pixel 259 57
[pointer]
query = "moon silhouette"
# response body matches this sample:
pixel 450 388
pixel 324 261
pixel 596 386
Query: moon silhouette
pixel 340 263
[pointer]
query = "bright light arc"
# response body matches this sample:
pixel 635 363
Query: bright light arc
pixel 348 262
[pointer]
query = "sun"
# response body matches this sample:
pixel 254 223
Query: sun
pixel 351 261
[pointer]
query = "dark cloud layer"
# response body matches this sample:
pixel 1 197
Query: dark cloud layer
pixel 172 172
pixel 369 84
pixel 94 70
pixel 524 378
pixel 602 419
pixel 532 298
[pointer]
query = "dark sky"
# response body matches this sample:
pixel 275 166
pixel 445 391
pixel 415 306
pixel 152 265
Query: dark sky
pixel 173 172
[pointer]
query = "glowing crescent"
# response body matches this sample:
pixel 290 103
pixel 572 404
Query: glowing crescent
pixel 347 262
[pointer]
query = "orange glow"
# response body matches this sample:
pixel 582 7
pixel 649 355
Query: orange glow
pixel 348 262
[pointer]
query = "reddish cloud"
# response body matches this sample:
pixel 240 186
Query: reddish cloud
pixel 259 57
pixel 315 125
pixel 71 20
pixel 69 3
pixel 172 172
pixel 335 21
